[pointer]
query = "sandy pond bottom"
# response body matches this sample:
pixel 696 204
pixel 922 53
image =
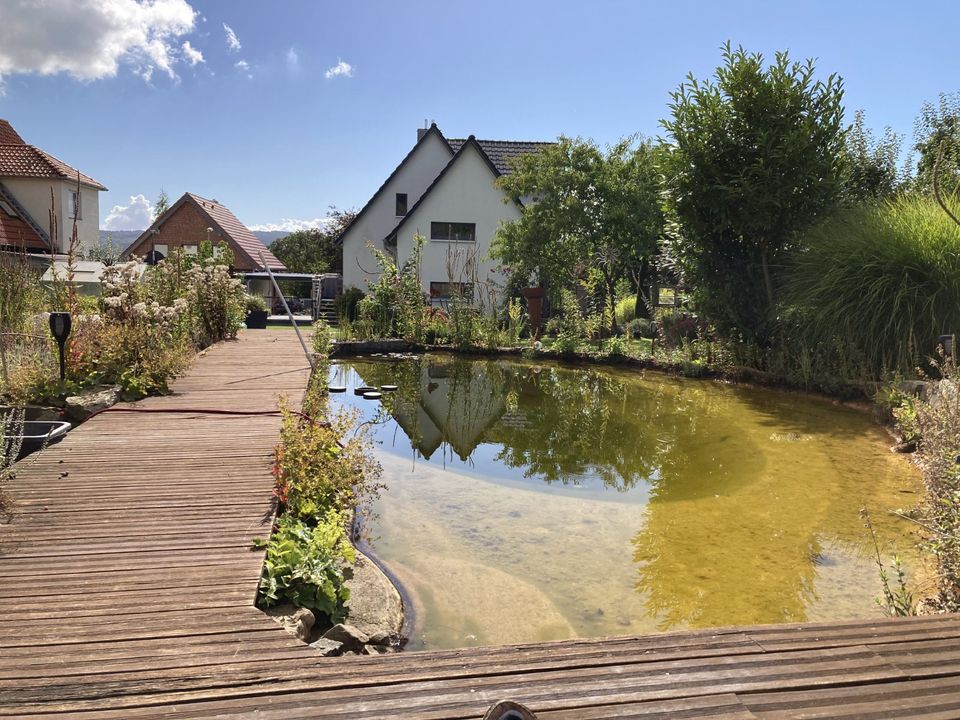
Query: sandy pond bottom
pixel 528 502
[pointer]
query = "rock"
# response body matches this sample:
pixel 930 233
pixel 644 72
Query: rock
pixel 375 650
pixel 375 607
pixel 80 407
pixel 296 621
pixel 327 648
pixel 348 636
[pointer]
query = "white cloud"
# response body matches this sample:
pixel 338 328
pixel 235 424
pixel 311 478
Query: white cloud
pixel 233 42
pixel 90 39
pixel 341 69
pixel 290 225
pixel 244 67
pixel 293 60
pixel 191 54
pixel 135 215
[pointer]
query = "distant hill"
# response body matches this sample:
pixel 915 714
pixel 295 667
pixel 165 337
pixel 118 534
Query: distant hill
pixel 123 238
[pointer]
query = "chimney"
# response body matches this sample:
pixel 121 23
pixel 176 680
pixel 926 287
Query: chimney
pixel 422 131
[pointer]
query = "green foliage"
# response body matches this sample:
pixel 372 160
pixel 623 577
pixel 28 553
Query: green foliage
pixel 938 126
pixel 872 165
pixel 935 420
pixel 308 564
pixel 314 250
pixel 255 303
pixel 162 204
pixel 754 156
pixel 345 304
pixel 395 304
pixel 884 278
pixel 640 328
pixel 516 320
pixel 626 310
pixel 105 251
pixel 322 337
pixel 216 299
pixel 594 209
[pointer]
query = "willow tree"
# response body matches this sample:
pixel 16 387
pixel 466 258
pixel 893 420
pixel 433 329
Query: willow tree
pixel 755 155
pixel 583 208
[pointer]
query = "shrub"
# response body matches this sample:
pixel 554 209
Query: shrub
pixel 216 300
pixel 255 303
pixel 345 304
pixel 308 564
pixel 640 328
pixel 884 278
pixel 935 420
pixel 322 337
pixel 626 310
pixel 675 327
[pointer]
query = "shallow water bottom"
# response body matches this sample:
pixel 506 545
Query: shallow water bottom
pixel 748 514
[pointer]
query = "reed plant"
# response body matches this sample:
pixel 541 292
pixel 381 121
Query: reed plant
pixel 882 278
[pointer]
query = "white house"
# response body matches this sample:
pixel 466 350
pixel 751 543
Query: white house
pixel 32 184
pixel 444 189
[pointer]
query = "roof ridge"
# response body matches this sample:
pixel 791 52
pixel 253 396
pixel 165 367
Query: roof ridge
pixel 518 142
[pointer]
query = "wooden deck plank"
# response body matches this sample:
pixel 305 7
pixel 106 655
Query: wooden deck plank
pixel 128 582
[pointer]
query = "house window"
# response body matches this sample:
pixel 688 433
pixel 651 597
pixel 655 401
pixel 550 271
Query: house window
pixel 75 209
pixel 190 249
pixel 448 290
pixel 401 204
pixel 453 232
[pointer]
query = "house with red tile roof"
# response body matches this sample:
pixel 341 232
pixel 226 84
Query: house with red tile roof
pixel 193 219
pixel 41 197
pixel 444 190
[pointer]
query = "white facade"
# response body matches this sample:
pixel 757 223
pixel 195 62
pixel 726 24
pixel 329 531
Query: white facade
pixel 379 217
pixel 34 194
pixel 441 187
pixel 465 194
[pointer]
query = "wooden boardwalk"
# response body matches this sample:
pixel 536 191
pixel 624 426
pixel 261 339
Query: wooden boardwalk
pixel 127 582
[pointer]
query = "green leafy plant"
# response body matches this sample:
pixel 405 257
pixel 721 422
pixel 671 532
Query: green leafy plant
pixel 308 564
pixel 754 156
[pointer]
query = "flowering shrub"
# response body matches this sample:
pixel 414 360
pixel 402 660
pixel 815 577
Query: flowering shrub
pixel 138 334
pixel 217 300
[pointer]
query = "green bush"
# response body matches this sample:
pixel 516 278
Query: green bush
pixel 306 564
pixel 626 310
pixel 640 328
pixel 884 278
pixel 345 304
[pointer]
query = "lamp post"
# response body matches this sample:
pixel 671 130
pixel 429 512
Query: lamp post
pixel 60 323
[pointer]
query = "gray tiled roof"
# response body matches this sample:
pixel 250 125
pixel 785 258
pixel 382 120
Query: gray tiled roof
pixel 501 152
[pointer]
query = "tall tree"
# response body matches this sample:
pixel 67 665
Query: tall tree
pixel 756 154
pixel 872 164
pixel 162 204
pixel 591 209
pixel 314 250
pixel 937 135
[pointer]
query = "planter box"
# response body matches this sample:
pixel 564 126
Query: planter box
pixel 257 320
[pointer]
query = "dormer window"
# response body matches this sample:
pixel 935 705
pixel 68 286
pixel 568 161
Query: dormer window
pixel 401 204
pixel 75 209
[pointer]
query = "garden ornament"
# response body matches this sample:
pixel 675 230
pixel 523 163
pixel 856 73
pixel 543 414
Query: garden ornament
pixel 507 710
pixel 60 329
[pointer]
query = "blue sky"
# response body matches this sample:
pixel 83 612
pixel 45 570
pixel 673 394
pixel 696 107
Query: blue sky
pixel 276 139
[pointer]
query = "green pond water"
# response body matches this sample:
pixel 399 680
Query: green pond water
pixel 528 501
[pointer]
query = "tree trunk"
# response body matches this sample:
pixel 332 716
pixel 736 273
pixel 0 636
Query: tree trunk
pixel 641 308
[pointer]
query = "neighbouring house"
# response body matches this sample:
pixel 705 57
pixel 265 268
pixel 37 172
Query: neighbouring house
pixel 190 221
pixel 41 196
pixel 444 190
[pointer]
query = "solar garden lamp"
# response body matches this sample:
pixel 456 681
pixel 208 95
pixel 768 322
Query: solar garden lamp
pixel 60 323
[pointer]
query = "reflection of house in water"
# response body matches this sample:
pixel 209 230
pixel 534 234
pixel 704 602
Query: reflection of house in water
pixel 458 403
